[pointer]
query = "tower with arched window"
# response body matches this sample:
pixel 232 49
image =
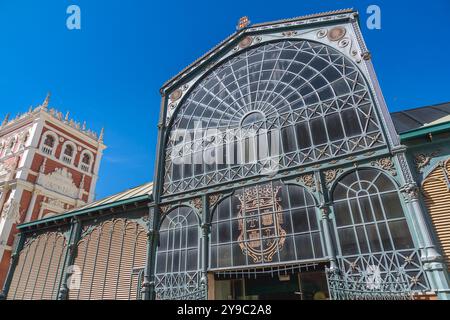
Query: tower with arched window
pixel 48 165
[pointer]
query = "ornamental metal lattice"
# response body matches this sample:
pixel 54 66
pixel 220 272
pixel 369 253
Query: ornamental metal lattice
pixel 369 217
pixel 306 97
pixel 177 273
pixel 377 256
pixel 394 275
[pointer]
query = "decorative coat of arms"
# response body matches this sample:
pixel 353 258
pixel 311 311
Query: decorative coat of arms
pixel 260 223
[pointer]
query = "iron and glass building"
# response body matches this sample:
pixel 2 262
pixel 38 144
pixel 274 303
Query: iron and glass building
pixel 279 175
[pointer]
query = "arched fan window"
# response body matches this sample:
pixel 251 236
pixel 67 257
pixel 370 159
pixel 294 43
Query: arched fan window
pixel 302 101
pixel 368 214
pixel 177 260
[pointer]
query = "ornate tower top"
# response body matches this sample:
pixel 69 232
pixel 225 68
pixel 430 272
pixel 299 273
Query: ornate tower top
pixel 45 107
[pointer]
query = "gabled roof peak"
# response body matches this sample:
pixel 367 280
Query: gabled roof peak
pixel 244 26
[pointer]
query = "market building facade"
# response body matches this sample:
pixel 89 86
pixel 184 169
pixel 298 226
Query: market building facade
pixel 279 175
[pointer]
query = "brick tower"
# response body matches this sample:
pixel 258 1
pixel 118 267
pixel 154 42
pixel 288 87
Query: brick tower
pixel 48 164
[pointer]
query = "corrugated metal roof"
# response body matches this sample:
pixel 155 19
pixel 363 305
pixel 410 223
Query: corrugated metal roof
pixel 416 118
pixel 145 189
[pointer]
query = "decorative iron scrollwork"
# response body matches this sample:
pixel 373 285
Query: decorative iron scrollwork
pixel 308 181
pixel 421 160
pixel 331 175
pixel 197 203
pixel 385 164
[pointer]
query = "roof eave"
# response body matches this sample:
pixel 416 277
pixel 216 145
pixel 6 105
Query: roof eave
pixel 423 131
pixel 82 212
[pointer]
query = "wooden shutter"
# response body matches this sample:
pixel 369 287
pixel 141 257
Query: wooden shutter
pixel 39 268
pixel 437 200
pixel 108 258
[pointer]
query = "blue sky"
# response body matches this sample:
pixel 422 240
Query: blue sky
pixel 109 72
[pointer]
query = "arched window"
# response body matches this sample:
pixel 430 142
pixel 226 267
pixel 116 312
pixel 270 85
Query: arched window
pixel 368 214
pixel 86 161
pixel 49 141
pixel 266 223
pixel 68 153
pixel 290 102
pixel 48 145
pixel 177 260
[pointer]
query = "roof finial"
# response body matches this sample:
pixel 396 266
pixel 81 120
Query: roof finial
pixel 5 121
pixel 102 133
pixel 67 116
pixel 46 101
pixel 243 23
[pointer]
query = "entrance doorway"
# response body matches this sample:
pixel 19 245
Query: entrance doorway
pixel 305 285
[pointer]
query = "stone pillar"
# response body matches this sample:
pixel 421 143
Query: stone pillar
pixel 67 271
pixel 148 285
pixel 12 265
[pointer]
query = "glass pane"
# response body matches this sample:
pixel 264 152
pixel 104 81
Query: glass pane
pixel 287 251
pixel 304 247
pixel 287 134
pixel 354 208
pixel 362 239
pixel 383 183
pixel 351 123
pixel 161 263
pixel 342 213
pixel 192 237
pixel 366 209
pixel 400 234
pixel 192 259
pixel 296 196
pixel 334 127
pixel 303 137
pixel 213 257
pixel 224 255
pixel 224 231
pixel 300 220
pixel 317 245
pixel 385 239
pixel 312 219
pixel 374 240
pixel 318 131
pixel 239 259
pixel 378 210
pixel 392 205
pixel 163 241
pixel 348 241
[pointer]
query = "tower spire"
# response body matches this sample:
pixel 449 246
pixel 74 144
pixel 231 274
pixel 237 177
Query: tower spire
pixel 46 101
pixel 102 133
pixel 5 121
